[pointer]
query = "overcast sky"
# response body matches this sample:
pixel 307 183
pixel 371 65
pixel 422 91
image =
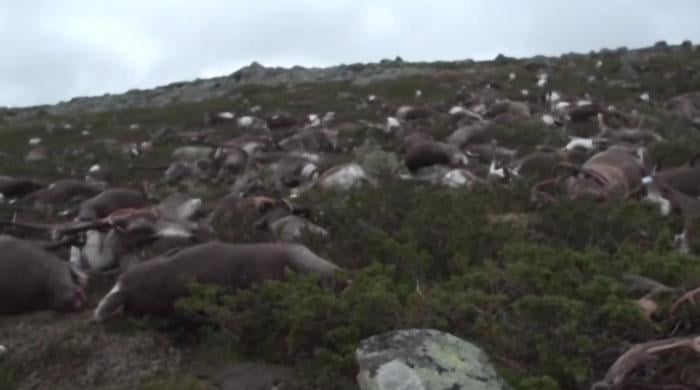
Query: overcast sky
pixel 52 50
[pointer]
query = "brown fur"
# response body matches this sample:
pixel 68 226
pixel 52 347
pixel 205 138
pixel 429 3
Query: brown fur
pixel 63 191
pixel 16 187
pixel 426 153
pixel 32 279
pixel 153 287
pixel 109 201
pixel 620 171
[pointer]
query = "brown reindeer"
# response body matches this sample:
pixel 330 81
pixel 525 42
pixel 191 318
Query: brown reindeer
pixel 153 287
pixel 608 175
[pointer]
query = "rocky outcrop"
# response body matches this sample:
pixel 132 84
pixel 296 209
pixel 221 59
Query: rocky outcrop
pixel 424 359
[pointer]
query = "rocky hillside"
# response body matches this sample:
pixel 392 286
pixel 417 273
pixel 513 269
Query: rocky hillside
pixel 446 191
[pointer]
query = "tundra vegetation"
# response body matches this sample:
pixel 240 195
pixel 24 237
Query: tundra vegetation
pixel 539 288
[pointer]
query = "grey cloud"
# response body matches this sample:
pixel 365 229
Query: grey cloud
pixel 55 50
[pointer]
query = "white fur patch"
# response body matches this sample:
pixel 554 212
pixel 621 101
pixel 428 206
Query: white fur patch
pixel 245 121
pixel 561 106
pixel 542 81
pixel 314 120
pixel 462 159
pixel 189 208
pixel 496 172
pixel 647 180
pixel 311 157
pixel 100 315
pixel 75 256
pixel 455 179
pixel 345 177
pixel 548 119
pixel 98 256
pixel 174 232
pixel 457 110
pixel 250 147
pixel 391 124
pixel 225 115
pixel 308 170
pixel 586 143
pixel 403 111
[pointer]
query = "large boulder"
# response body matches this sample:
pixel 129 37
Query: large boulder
pixel 424 359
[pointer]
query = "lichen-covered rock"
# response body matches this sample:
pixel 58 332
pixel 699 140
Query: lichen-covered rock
pixel 424 359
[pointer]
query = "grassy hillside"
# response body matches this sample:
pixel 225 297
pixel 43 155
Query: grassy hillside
pixel 540 289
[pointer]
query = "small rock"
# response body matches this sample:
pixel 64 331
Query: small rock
pixel 424 359
pixel 34 141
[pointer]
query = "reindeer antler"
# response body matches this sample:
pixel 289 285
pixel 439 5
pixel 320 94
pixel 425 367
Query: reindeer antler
pixel 689 297
pixel 641 354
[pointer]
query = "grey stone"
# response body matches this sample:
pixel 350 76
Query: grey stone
pixel 424 359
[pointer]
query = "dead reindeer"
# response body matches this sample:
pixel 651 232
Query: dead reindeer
pixel 11 187
pixel 640 355
pixel 233 208
pixel 686 106
pixel 634 135
pixel 132 230
pixel 62 191
pixel 684 179
pixel 689 207
pixel 608 175
pixel 650 288
pixel 538 164
pixel 286 223
pixel 423 154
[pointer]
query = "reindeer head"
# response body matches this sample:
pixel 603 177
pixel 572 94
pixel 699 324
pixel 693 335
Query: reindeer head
pixel 588 184
pixel 581 183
